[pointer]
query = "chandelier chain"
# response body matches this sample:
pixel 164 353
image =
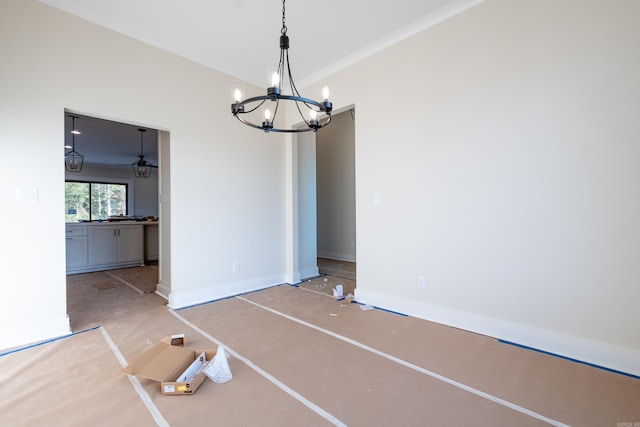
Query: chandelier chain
pixel 284 26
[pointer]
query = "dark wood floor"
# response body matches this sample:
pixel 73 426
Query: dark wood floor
pixel 337 268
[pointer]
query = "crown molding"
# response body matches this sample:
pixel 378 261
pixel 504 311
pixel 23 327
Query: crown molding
pixel 415 27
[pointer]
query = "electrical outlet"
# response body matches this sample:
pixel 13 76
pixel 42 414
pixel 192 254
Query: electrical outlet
pixel 236 266
pixel 421 282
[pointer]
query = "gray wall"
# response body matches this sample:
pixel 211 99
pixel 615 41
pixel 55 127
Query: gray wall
pixel 335 159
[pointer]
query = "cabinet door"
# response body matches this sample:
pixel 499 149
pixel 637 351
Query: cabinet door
pixel 76 252
pixel 102 245
pixel 130 243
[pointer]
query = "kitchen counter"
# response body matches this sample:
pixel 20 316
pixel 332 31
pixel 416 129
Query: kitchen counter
pixel 92 223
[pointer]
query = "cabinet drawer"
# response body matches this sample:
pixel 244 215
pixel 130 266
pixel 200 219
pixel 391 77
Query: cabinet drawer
pixel 76 230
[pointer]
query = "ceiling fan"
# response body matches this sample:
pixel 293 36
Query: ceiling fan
pixel 141 167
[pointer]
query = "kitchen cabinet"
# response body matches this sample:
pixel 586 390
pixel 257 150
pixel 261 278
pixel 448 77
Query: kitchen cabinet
pixel 103 246
pixel 115 244
pixel 76 247
pixel 130 246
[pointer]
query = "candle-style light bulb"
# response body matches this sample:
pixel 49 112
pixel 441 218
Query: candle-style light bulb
pixel 267 115
pixel 237 95
pixel 325 93
pixel 275 80
pixel 313 122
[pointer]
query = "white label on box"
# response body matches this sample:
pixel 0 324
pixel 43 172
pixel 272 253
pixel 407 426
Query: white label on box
pixel 169 389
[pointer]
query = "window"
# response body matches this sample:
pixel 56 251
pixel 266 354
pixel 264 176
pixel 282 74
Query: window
pixel 90 201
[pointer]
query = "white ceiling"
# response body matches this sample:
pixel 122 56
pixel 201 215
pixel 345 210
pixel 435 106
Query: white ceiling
pixel 241 37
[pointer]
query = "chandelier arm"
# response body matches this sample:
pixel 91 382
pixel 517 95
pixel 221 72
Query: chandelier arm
pixel 295 92
pixel 255 108
pixel 275 110
pixel 281 66
pixel 292 84
pixel 300 112
pixel 310 106
pixel 294 89
pixel 247 101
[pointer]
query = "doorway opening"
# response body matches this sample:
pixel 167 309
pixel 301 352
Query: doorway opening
pixel 129 251
pixel 326 199
pixel 336 199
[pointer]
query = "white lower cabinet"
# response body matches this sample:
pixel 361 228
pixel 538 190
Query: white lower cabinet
pixel 130 244
pixel 104 247
pixel 76 245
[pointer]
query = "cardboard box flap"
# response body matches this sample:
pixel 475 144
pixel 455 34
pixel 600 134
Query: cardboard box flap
pixel 178 339
pixel 161 363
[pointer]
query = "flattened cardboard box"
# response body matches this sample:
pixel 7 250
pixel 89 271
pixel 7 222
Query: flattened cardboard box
pixel 168 360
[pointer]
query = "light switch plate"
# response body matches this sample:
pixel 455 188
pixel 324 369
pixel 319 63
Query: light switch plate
pixel 29 195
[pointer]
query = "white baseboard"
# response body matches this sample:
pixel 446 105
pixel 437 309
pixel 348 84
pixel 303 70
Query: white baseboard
pixel 597 353
pixel 179 299
pixel 22 333
pixel 339 256
pixel 306 273
pixel 292 279
pixel 163 289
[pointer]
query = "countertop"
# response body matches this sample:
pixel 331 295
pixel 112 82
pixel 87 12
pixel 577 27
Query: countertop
pixel 98 223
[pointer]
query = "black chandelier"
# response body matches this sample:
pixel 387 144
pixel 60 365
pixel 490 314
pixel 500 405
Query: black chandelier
pixel 274 96
pixel 72 159
pixel 141 167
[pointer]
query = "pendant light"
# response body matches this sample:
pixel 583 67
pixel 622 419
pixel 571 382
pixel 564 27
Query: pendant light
pixel 281 79
pixel 72 159
pixel 141 167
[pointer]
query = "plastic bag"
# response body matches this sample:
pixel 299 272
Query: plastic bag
pixel 218 369
pixel 337 291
